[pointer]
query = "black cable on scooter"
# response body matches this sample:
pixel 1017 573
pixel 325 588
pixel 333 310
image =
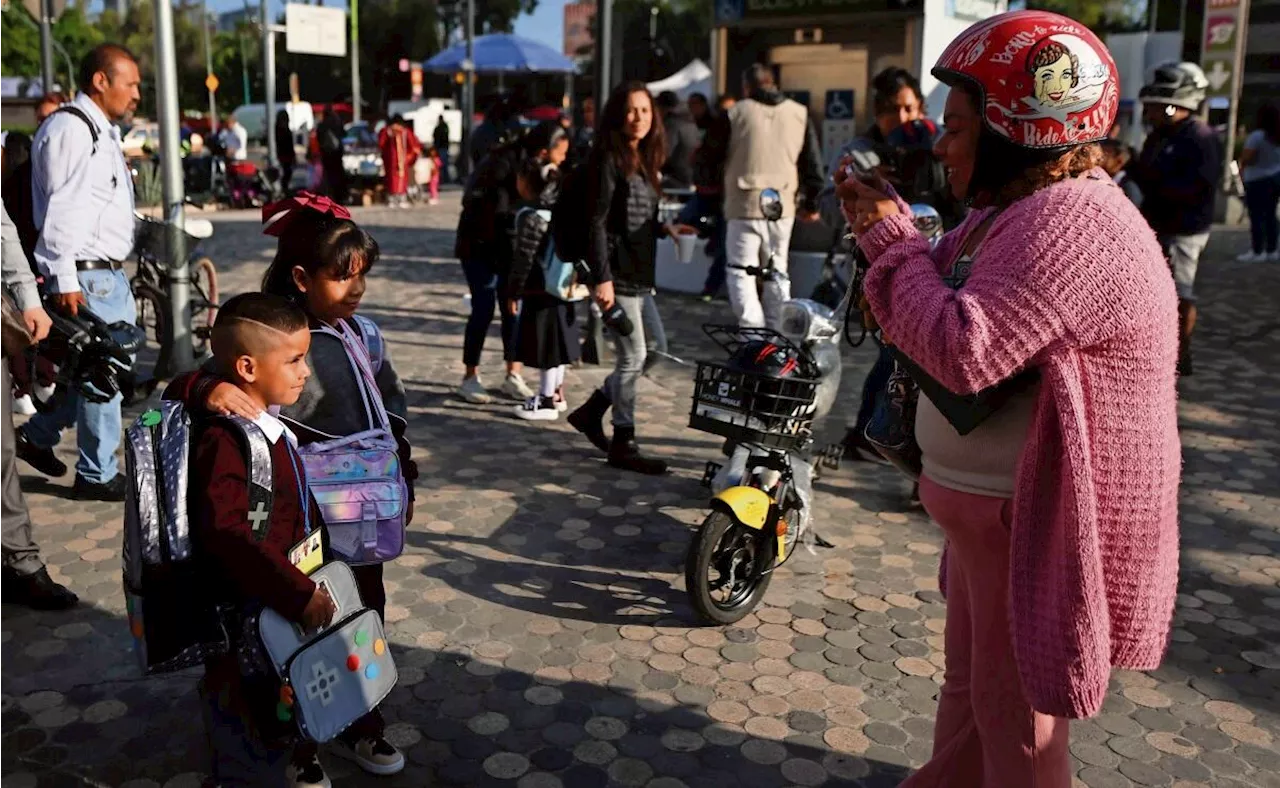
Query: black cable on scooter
pixel 853 310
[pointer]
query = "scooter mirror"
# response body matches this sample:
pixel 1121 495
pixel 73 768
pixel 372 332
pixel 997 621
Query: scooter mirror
pixel 771 204
pixel 927 220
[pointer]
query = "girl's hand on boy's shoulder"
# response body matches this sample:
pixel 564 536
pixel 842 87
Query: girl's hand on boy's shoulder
pixel 227 400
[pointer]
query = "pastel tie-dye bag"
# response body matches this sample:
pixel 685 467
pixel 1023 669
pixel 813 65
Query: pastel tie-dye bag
pixel 356 480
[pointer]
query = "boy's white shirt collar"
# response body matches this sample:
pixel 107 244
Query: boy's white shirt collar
pixel 273 427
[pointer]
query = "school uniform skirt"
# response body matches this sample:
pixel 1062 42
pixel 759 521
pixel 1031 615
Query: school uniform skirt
pixel 547 332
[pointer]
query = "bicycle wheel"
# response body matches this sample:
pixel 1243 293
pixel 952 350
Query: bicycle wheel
pixel 153 318
pixel 204 303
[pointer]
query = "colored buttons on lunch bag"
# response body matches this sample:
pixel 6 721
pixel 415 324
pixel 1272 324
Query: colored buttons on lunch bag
pixel 371 672
pixel 379 646
pixel 353 663
pixel 150 419
pixel 361 637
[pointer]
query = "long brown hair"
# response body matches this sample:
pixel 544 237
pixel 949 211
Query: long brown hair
pixel 611 139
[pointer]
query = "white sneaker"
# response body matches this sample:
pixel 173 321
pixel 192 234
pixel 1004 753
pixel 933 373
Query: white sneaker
pixel 307 775
pixel 534 410
pixel 376 756
pixel 473 391
pixel 561 404
pixel 24 406
pixel 515 388
pixel 1251 257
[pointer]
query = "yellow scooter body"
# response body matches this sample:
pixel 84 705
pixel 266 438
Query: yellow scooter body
pixel 749 507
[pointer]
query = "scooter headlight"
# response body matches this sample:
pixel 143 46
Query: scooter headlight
pixel 795 321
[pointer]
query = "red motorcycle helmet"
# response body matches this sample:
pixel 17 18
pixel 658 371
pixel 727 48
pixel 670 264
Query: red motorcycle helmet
pixel 1046 82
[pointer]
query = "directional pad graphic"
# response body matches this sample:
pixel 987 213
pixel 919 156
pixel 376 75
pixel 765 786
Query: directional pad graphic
pixel 323 680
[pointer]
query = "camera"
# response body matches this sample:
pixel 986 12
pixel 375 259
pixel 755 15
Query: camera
pixel 615 317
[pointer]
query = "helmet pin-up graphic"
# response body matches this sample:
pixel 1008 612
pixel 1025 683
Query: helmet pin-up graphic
pixel 1046 81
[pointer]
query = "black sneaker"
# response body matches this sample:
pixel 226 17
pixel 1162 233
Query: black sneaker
pixel 307 773
pixel 37 591
pixel 43 460
pixel 112 491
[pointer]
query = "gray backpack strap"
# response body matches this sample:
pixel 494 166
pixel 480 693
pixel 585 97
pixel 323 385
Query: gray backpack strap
pixel 373 340
pixel 261 478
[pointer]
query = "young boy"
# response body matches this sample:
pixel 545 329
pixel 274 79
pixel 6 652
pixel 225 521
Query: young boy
pixel 260 344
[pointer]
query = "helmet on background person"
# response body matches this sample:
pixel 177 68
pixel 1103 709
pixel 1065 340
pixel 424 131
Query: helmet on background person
pixel 1173 84
pixel 1045 82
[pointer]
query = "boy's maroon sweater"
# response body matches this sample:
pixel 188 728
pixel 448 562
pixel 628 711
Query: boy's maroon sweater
pixel 256 570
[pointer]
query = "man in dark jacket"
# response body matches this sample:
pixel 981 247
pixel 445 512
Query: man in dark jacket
pixel 1179 171
pixel 682 141
pixel 440 139
pixel 771 144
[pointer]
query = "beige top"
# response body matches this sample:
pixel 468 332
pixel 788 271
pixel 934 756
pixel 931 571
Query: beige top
pixel 764 144
pixel 984 462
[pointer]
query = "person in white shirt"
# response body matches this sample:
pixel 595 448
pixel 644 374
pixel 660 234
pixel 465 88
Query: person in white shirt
pixel 234 139
pixel 82 197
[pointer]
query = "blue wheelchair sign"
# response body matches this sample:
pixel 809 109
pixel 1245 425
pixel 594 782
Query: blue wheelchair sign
pixel 839 105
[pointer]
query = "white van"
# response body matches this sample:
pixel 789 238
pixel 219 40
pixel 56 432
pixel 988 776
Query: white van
pixel 422 117
pixel 253 117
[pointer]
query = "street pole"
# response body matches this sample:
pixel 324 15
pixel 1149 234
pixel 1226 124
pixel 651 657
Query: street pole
pixel 46 46
pixel 594 347
pixel 269 83
pixel 176 272
pixel 208 66
pixel 355 60
pixel 468 92
pixel 1237 79
pixel 604 53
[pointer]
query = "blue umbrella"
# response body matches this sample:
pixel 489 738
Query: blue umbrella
pixel 503 53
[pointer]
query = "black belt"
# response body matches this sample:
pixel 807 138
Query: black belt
pixel 99 265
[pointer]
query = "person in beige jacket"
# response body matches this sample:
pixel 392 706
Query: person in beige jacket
pixel 771 144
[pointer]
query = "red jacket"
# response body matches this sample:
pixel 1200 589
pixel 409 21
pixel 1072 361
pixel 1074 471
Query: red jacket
pixel 254 571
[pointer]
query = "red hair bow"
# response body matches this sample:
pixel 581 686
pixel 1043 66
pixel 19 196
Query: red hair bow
pixel 278 215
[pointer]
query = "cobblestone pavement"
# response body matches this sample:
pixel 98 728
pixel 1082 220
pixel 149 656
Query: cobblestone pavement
pixel 540 625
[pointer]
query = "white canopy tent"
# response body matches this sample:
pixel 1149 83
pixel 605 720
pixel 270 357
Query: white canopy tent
pixel 693 78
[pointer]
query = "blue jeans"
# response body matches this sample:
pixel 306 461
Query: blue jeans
pixel 873 388
pixel 486 285
pixel 444 164
pixel 711 207
pixel 98 425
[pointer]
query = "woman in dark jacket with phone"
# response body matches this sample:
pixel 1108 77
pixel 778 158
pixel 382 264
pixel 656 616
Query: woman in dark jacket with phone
pixel 623 172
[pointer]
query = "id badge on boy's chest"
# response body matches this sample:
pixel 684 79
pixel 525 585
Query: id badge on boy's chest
pixel 308 554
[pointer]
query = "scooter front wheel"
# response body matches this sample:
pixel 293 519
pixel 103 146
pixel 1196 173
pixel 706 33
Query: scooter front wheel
pixel 727 570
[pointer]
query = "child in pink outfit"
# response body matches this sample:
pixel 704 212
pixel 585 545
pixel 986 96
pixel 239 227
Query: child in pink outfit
pixel 1059 509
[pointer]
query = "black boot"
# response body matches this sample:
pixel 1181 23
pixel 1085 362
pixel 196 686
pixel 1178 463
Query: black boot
pixel 625 454
pixel 37 590
pixel 589 419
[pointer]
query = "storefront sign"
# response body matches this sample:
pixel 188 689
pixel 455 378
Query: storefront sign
pixel 1221 35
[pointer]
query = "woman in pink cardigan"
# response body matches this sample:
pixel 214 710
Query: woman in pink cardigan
pixel 1053 305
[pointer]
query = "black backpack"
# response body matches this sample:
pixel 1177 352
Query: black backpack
pixel 568 230
pixel 18 200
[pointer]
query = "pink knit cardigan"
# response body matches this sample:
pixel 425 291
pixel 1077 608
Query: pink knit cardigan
pixel 1071 281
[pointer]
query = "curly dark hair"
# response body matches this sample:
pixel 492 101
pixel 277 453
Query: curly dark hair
pixel 611 139
pixel 1005 173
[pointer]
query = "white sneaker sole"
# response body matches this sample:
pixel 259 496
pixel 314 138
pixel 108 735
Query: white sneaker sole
pixel 541 414
pixel 347 754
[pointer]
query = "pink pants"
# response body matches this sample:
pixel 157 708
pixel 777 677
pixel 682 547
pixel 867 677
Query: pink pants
pixel 434 184
pixel 986 735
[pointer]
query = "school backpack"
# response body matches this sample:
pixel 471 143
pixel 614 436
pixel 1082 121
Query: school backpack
pixel 174 615
pixel 356 480
pixel 560 279
pixel 568 230
pixel 18 199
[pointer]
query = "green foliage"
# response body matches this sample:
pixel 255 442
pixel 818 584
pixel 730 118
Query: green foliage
pixel 1101 16
pixel 149 190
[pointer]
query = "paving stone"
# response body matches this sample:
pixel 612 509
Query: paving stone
pixel 1145 773
pixel 885 734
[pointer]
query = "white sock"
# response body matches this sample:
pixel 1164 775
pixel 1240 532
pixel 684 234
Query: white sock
pixel 547 383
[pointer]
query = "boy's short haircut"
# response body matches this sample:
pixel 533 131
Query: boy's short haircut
pixel 247 323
